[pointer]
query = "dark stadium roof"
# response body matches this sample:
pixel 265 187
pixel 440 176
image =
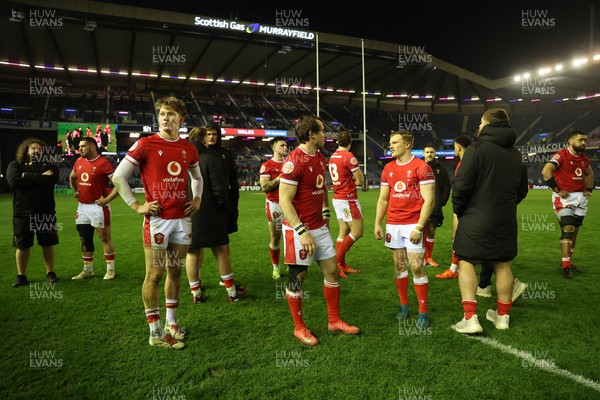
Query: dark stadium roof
pixel 131 40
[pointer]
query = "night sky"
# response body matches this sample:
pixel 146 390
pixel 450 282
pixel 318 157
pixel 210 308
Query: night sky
pixel 490 39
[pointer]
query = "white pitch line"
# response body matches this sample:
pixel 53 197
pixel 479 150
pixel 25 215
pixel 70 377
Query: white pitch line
pixel 539 363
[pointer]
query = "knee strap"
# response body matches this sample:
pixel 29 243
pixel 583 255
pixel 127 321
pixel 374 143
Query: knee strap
pixel 86 235
pixel 297 273
pixel 578 221
pixel 569 220
pixel 566 235
pixel 568 224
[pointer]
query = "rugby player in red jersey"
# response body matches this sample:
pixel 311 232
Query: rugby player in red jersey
pixel 304 201
pixel 164 160
pixel 571 179
pixel 442 194
pixel 269 183
pixel 346 175
pixel 89 180
pixel 407 195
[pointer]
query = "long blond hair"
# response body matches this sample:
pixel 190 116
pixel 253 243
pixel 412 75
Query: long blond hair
pixel 21 154
pixel 198 134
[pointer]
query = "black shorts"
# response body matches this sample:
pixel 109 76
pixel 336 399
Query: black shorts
pixel 208 240
pixel 209 230
pixel 41 225
pixel 481 261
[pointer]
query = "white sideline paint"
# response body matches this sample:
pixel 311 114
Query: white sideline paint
pixel 550 367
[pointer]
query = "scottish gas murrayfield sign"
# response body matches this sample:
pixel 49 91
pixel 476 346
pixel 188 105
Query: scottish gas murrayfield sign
pixel 239 26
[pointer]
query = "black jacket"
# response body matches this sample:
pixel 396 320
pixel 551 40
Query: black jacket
pixel 489 184
pixel 209 224
pixel 33 192
pixel 442 187
pixel 230 172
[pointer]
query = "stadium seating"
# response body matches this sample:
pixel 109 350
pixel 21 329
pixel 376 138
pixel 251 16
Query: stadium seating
pixel 100 104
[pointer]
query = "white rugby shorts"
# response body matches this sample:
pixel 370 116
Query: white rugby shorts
pixel 159 232
pixel 273 211
pixel 574 205
pixel 295 254
pixel 398 237
pixel 347 210
pixel 93 214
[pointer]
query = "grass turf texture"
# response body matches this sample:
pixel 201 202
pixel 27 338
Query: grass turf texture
pixel 90 339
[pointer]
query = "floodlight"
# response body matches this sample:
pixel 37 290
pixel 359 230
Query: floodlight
pixel 17 16
pixel 90 25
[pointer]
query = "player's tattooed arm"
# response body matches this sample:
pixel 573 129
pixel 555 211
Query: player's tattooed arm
pixel 268 185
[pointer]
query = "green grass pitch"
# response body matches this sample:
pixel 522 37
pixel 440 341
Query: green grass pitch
pixel 89 339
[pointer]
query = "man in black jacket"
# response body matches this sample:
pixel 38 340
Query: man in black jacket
pixel 230 171
pixel 32 176
pixel 442 193
pixel 489 184
pixel 214 141
pixel 210 226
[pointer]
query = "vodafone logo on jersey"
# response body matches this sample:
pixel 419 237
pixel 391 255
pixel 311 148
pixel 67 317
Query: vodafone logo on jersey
pixel 83 179
pixel 174 168
pixel 399 186
pixel 320 181
pixel 578 172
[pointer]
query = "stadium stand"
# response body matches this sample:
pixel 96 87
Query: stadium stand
pixel 92 95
